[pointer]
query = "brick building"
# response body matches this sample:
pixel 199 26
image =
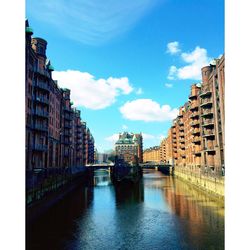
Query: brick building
pixel 152 154
pixel 129 145
pixel 196 138
pixel 52 124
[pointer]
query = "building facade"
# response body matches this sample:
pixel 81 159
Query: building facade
pixel 52 124
pixel 196 138
pixel 152 154
pixel 129 145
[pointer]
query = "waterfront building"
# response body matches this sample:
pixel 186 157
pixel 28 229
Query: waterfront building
pixel 198 132
pixel 152 154
pixel 212 115
pixel 55 134
pixel 129 145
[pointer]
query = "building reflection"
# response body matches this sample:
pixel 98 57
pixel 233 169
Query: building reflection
pixel 196 210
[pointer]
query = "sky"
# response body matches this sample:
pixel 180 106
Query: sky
pixel 129 64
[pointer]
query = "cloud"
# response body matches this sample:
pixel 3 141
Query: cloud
pixel 88 21
pixel 195 60
pixel 139 91
pixel 147 110
pixel 147 136
pixel 125 127
pixel 113 138
pixel 169 85
pixel 92 93
pixel 172 72
pixel 173 48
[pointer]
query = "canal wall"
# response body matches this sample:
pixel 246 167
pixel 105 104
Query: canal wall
pixel 212 185
pixel 44 190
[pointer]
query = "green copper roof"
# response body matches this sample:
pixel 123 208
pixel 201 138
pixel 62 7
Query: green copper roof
pixel 51 68
pixel 29 30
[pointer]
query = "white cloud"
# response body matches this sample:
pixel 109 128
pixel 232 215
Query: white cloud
pixel 125 127
pixel 173 48
pixel 92 93
pixel 147 136
pixel 139 91
pixel 88 21
pixel 113 138
pixel 147 110
pixel 172 72
pixel 195 60
pixel 169 85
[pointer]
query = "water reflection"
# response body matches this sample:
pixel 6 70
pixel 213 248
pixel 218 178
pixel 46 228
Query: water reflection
pixel 160 212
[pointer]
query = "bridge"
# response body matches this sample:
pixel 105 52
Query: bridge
pixel 100 166
pixel 160 166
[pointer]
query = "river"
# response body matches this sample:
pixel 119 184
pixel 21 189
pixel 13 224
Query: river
pixel 160 212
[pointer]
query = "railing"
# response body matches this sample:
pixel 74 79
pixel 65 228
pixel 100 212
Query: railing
pixel 182 134
pixel 194 114
pixel 40 147
pixel 195 131
pixel 208 122
pixel 42 85
pixel 207 112
pixel 41 99
pixel 43 127
pixel 43 181
pixel 194 105
pixel 196 139
pixel 206 101
pixel 194 123
pixel 201 172
pixel 205 93
pixel 68 116
pixel 39 112
pixel 208 133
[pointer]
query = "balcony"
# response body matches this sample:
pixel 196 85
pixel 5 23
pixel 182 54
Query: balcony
pixel 194 115
pixel 194 106
pixel 40 113
pixel 40 99
pixel 41 127
pixel 68 116
pixel 67 132
pixel 208 123
pixel 181 122
pixel 67 109
pixel 42 72
pixel 206 102
pixel 197 153
pixel 196 140
pixel 207 113
pixel 205 93
pixel 195 123
pixel 67 125
pixel 193 96
pixel 42 85
pixel 66 141
pixel 182 134
pixel 195 132
pixel 39 147
pixel 181 129
pixel 209 133
pixel 209 149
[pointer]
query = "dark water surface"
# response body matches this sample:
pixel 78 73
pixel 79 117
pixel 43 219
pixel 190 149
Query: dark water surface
pixel 161 212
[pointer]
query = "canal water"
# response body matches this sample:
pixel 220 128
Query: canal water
pixel 160 212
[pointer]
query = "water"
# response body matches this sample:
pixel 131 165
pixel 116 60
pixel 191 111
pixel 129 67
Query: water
pixel 161 212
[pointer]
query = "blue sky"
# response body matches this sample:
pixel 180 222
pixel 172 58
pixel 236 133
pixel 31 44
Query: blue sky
pixel 129 64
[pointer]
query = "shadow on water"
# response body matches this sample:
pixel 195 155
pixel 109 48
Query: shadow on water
pixel 159 212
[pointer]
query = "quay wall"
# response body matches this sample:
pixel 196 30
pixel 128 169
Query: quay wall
pixel 212 185
pixel 50 189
